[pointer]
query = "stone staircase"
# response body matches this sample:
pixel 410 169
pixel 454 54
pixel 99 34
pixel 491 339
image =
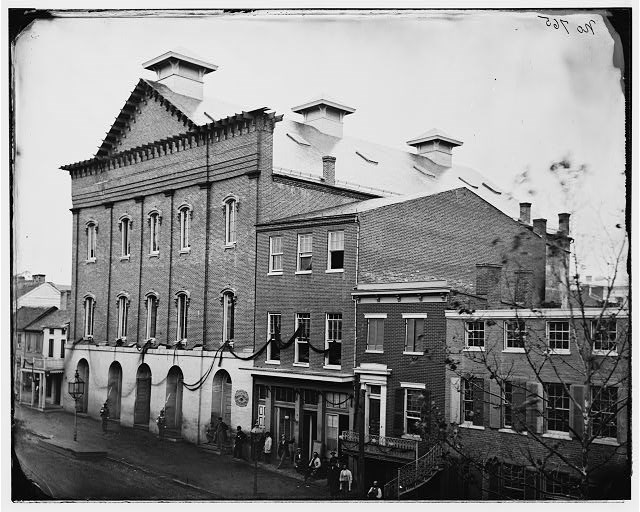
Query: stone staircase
pixel 415 474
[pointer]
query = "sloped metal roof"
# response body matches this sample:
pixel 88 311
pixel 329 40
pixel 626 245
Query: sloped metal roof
pixel 58 319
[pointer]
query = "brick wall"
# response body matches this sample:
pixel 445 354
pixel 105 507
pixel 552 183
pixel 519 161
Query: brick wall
pixel 444 236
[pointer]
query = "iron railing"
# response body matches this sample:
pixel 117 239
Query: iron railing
pixel 412 475
pixel 384 441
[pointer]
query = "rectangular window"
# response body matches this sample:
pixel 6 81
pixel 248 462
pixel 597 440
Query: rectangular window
pixel 310 396
pixel 559 485
pixel 123 313
pixel 91 242
pixel 558 336
pixel 474 334
pixel 604 333
pixel 515 332
pixel 413 405
pixel 334 339
pixel 472 401
pixel 61 349
pixel 336 400
pixel 89 305
pixel 414 335
pixel 184 228
pixel 604 408
pixel 228 319
pixel 275 254
pixel 507 405
pixel 154 222
pixel 305 252
pixel 558 404
pixel 284 394
pixel 39 341
pixel 50 348
pixel 125 228
pixel 467 401
pixel 302 341
pixel 51 332
pixel 262 392
pixel 152 315
pixel 274 321
pixel 181 310
pixel 375 334
pixel 513 481
pixel 335 247
pixel 332 431
pixel 230 209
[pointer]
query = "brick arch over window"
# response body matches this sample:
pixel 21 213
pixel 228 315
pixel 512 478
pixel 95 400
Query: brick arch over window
pixel 182 300
pixel 228 300
pixel 185 215
pixel 151 302
pixel 123 301
pixel 125 225
pixel 91 230
pixel 154 220
pixel 89 307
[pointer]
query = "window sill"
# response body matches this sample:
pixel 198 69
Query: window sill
pixel 92 260
pixel 604 353
pixel 230 246
pixel 511 431
pixel 558 435
pixel 125 258
pixel 185 251
pixel 271 361
pixel 275 273
pixel 154 254
pixel 301 365
pixel 513 351
pixel 610 441
pixel 334 271
pixel 471 426
pixel 374 351
pixel 473 349
pixel 300 272
pixel 559 352
pixel 332 367
pixel 412 353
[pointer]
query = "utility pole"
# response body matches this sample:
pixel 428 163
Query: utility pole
pixel 361 439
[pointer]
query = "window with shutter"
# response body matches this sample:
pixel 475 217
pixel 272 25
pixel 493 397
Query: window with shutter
pixel 534 410
pixel 478 402
pixel 518 410
pixel 398 412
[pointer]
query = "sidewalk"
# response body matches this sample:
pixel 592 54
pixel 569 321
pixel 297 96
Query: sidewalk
pixel 220 475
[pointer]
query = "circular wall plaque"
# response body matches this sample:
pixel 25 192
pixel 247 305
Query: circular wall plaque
pixel 242 398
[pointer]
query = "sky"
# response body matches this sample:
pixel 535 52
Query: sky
pixel 519 94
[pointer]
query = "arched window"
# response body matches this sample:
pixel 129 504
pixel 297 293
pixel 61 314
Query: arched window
pixel 228 314
pixel 92 231
pixel 152 315
pixel 182 310
pixel 125 236
pixel 230 211
pixel 154 231
pixel 89 307
pixel 123 315
pixel 184 218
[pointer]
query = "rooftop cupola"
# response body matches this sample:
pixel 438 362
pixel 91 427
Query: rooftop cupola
pixel 436 146
pixel 181 73
pixel 325 115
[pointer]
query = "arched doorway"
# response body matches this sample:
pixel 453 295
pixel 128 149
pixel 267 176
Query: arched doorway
pixel 83 372
pixel 173 403
pixel 142 406
pixel 221 399
pixel 114 390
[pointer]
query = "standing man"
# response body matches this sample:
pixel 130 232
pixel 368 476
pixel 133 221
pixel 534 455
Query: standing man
pixel 268 443
pixel 375 493
pixel 283 450
pixel 104 414
pixel 256 436
pixel 161 421
pixel 345 480
pixel 241 437
pixel 221 435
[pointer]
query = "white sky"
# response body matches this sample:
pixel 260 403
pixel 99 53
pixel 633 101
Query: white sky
pixel 519 94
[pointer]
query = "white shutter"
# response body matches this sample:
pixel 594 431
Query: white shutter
pixel 454 400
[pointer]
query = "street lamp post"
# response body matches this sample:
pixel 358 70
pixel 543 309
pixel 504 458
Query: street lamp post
pixel 76 390
pixel 255 439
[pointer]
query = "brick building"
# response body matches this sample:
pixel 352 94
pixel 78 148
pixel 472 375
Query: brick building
pixel 529 391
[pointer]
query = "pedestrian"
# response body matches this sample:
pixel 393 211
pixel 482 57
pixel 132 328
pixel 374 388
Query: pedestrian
pixel 299 461
pixel 221 435
pixel 211 433
pixel 313 467
pixel 268 443
pixel 238 444
pixel 161 421
pixel 104 414
pixel 283 450
pixel 375 493
pixel 345 479
pixel 333 459
pixel 333 479
pixel 257 434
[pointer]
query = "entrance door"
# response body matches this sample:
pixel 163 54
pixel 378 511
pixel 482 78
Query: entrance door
pixel 83 372
pixel 309 432
pixel 142 406
pixel 173 403
pixel 221 399
pixel 114 390
pixel 285 417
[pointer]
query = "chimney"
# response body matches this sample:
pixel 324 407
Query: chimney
pixel 436 146
pixel 329 169
pixel 325 115
pixel 540 227
pixel 38 278
pixel 563 223
pixel 181 73
pixel 525 213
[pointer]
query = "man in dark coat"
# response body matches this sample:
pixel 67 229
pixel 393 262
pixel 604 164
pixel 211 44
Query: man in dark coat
pixel 241 437
pixel 333 479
